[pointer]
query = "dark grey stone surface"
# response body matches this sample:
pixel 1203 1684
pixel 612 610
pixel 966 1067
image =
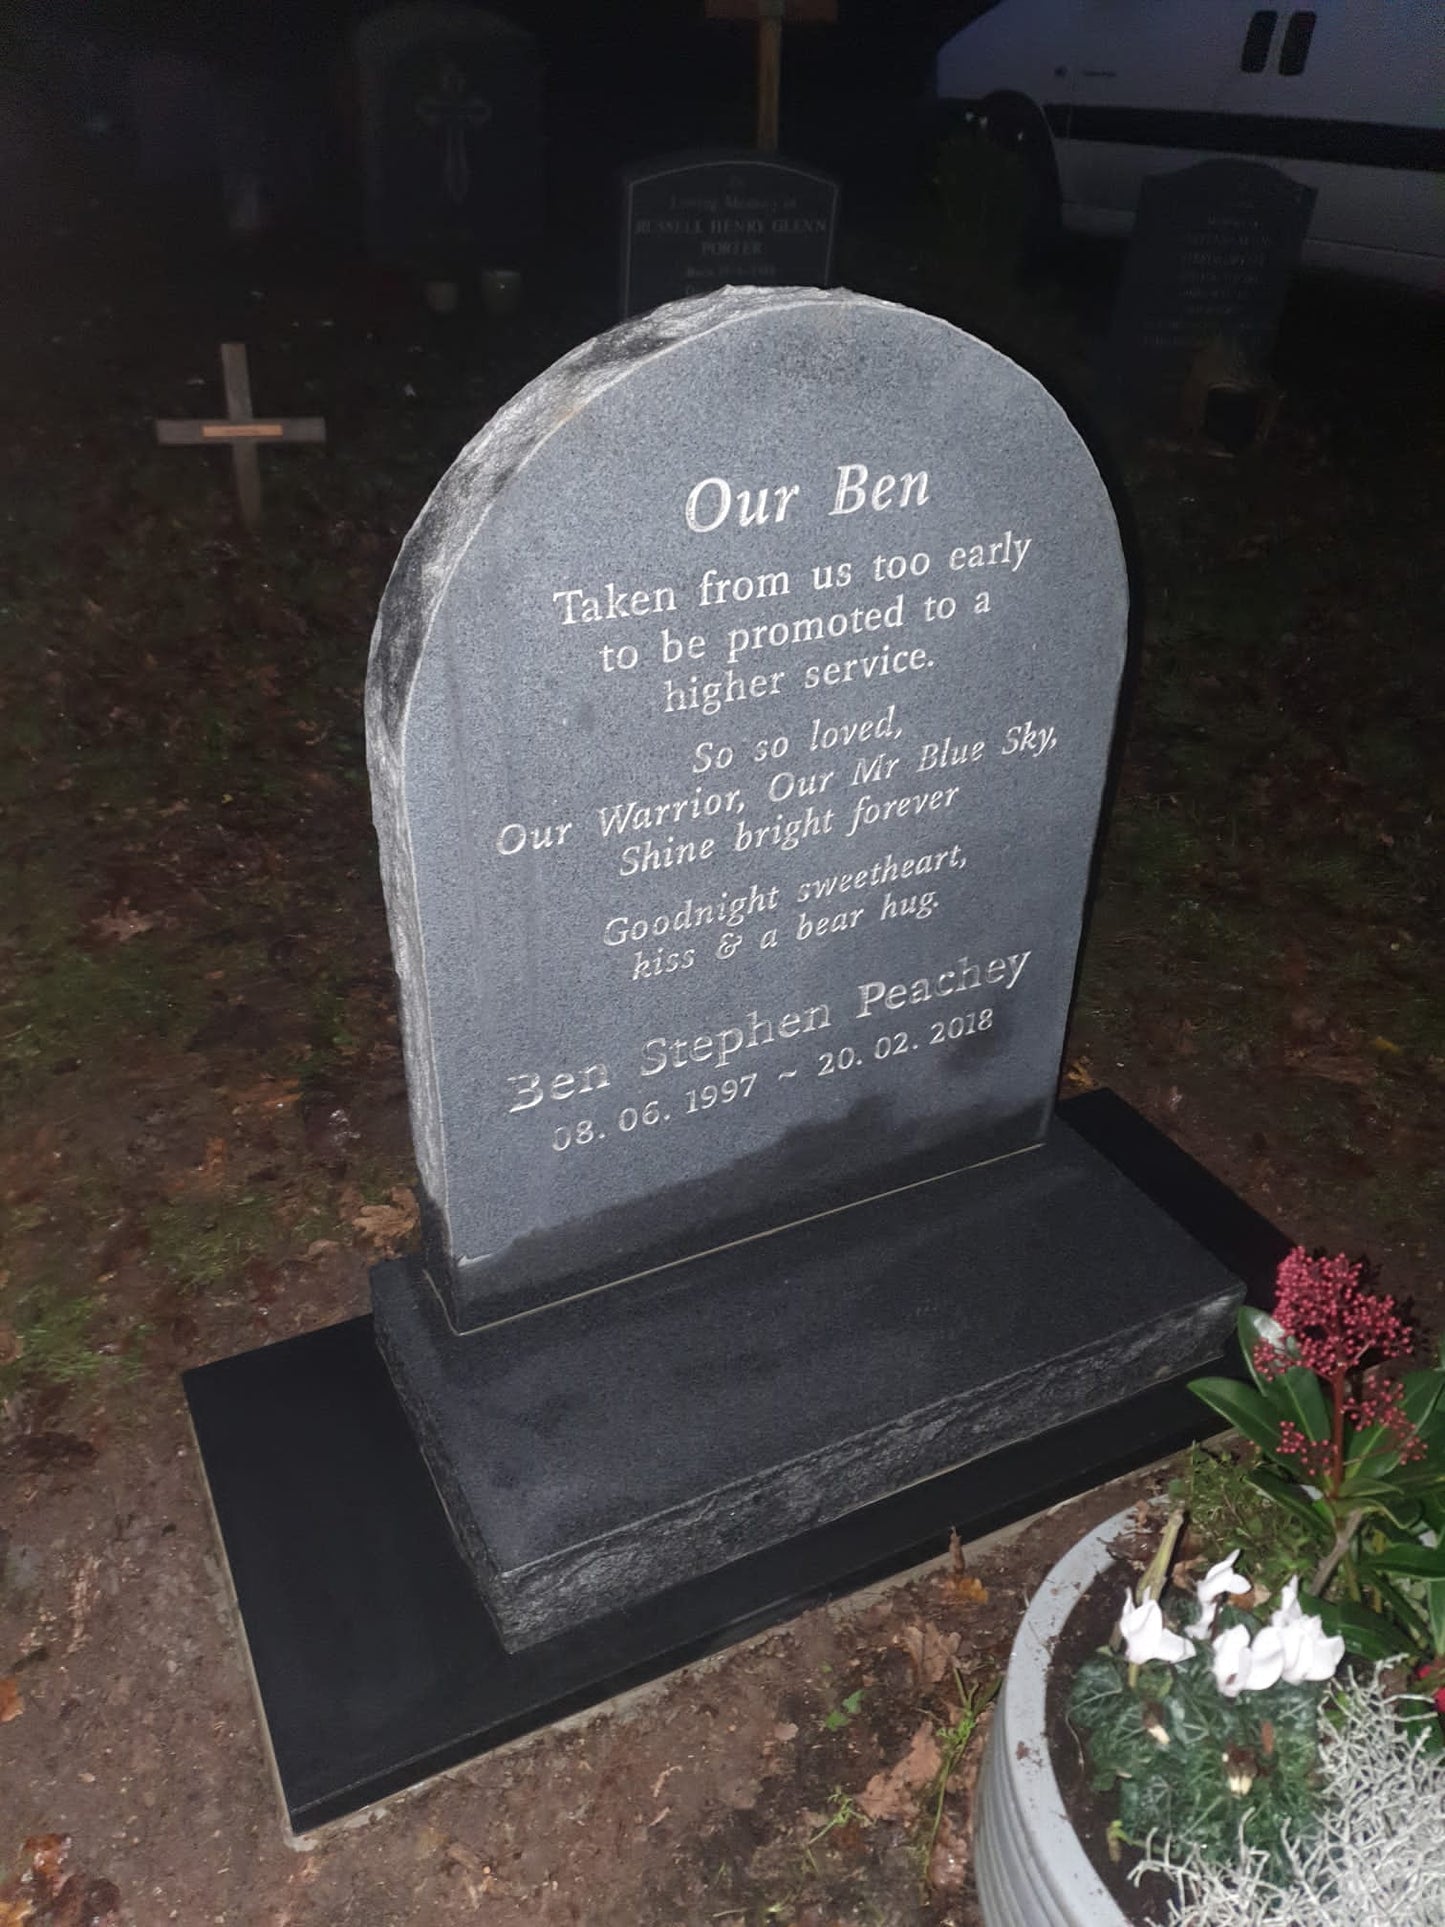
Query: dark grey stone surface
pixel 451 105
pixel 1210 259
pixel 692 223
pixel 597 1452
pixel 375 1662
pixel 813 938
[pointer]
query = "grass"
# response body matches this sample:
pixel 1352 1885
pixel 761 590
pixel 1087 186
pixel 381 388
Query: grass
pixel 63 997
pixel 53 1325
pixel 205 1242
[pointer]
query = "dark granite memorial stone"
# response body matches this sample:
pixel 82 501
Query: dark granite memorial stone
pixel 738 714
pixel 692 223
pixel 451 123
pixel 1210 260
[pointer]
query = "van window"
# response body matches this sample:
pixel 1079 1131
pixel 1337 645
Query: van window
pixel 1258 36
pixel 1295 48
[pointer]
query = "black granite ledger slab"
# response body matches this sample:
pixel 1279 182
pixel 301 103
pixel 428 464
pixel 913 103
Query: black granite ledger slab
pixel 375 1663
pixel 601 1450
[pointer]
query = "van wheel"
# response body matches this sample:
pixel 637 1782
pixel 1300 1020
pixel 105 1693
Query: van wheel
pixel 1015 124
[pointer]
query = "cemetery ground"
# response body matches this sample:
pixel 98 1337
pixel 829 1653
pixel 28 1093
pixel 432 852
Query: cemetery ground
pixel 204 1138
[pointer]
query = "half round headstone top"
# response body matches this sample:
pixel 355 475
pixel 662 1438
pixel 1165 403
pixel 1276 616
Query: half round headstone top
pixel 737 715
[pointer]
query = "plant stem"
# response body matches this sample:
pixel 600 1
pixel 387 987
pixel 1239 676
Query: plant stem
pixel 1337 1434
pixel 1325 1571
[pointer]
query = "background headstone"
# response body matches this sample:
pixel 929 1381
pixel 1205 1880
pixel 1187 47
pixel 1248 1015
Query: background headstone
pixel 692 223
pixel 451 122
pixel 1210 260
pixel 738 716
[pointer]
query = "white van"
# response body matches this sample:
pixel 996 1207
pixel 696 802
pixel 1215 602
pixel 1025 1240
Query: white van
pixel 1346 96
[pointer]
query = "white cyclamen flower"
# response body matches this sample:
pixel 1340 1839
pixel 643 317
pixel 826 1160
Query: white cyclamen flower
pixel 1242 1665
pixel 1146 1636
pixel 1219 1580
pixel 1308 1653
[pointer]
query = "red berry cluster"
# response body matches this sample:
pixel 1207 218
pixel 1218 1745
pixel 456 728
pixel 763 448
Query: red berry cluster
pixel 1316 1456
pixel 1335 1325
pixel 1381 1402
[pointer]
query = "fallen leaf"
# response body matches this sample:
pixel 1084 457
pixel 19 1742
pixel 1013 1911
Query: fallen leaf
pixel 212 1160
pixel 948 1862
pixel 47 1854
pixel 11 1704
pixel 122 923
pixel 268 1095
pixel 12 1344
pixel 67 1904
pixel 785 1730
pixel 383 1225
pixel 1336 1067
pixel 961 1582
pixel 102 1904
pixel 931 1651
pixel 893 1795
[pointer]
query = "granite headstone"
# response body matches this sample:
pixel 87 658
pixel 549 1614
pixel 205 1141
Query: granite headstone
pixel 1210 260
pixel 451 125
pixel 692 223
pixel 738 715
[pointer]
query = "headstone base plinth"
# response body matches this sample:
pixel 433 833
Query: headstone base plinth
pixel 595 1452
pixel 879 1409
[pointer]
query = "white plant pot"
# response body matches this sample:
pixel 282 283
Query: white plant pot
pixel 1032 1871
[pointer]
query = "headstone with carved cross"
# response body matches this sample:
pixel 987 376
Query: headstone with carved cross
pixel 241 431
pixel 770 16
pixel 451 126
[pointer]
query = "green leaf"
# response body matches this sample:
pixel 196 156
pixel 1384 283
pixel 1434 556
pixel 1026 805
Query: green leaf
pixel 1415 1561
pixel 1098 1687
pixel 1314 1512
pixel 1367 1635
pixel 1423 1393
pixel 1303 1397
pixel 1395 1604
pixel 1246 1410
pixel 1435 1606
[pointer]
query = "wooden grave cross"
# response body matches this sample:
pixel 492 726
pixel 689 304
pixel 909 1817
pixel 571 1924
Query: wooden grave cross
pixel 770 15
pixel 241 431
